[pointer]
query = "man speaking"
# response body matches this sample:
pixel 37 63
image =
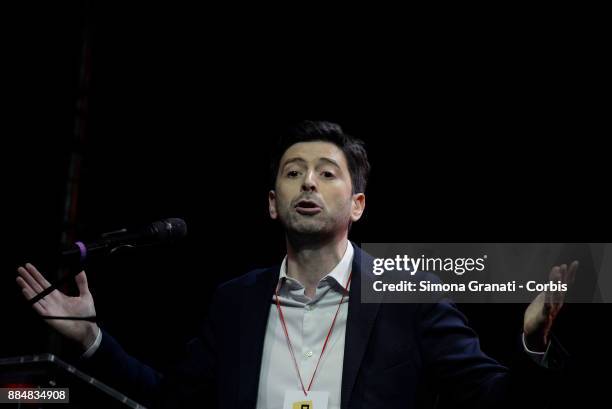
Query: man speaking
pixel 297 335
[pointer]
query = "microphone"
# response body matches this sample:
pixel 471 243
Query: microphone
pixel 162 231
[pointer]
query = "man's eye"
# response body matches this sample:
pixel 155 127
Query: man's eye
pixel 292 173
pixel 328 174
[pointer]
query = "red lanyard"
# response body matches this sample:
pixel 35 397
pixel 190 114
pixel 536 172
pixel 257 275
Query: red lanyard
pixel 282 318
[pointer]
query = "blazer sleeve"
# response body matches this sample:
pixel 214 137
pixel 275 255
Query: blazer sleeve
pixel 467 377
pixel 194 372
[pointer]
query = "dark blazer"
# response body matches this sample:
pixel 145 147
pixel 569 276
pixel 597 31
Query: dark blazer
pixel 395 356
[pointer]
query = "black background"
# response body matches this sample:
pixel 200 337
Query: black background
pixel 475 134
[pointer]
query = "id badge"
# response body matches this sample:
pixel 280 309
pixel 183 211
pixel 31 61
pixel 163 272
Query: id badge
pixel 314 400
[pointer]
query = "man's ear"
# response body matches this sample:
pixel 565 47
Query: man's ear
pixel 357 206
pixel 272 204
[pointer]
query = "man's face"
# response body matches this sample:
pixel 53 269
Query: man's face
pixel 314 191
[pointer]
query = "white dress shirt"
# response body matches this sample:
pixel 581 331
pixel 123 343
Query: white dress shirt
pixel 308 322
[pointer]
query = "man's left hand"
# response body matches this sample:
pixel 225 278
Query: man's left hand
pixel 543 310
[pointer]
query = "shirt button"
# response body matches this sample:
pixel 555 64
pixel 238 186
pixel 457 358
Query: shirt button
pixel 308 354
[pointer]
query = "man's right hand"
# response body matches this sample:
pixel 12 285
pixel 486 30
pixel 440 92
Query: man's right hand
pixel 59 304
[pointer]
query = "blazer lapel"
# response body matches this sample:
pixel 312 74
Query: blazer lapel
pixel 360 320
pixel 256 302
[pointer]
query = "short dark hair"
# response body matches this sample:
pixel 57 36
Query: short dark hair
pixel 311 131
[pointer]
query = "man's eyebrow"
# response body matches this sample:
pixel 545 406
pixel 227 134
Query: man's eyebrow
pixel 330 161
pixel 302 161
pixel 293 160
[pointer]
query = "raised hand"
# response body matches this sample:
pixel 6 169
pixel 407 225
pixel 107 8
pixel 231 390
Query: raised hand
pixel 58 304
pixel 543 310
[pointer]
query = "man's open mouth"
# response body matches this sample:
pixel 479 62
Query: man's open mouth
pixel 307 207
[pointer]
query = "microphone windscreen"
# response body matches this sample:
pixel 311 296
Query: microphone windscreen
pixel 170 229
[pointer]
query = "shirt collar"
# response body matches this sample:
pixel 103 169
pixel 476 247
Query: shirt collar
pixel 340 273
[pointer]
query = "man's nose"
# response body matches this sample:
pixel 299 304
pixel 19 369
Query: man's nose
pixel 309 183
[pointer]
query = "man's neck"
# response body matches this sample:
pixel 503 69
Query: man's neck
pixel 310 262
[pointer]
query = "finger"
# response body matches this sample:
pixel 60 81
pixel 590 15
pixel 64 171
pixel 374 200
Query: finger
pixel 29 294
pixel 81 280
pixel 27 276
pixel 563 272
pixel 571 272
pixel 548 302
pixel 559 295
pixel 42 281
pixel 555 274
pixel 22 283
pixel 39 309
